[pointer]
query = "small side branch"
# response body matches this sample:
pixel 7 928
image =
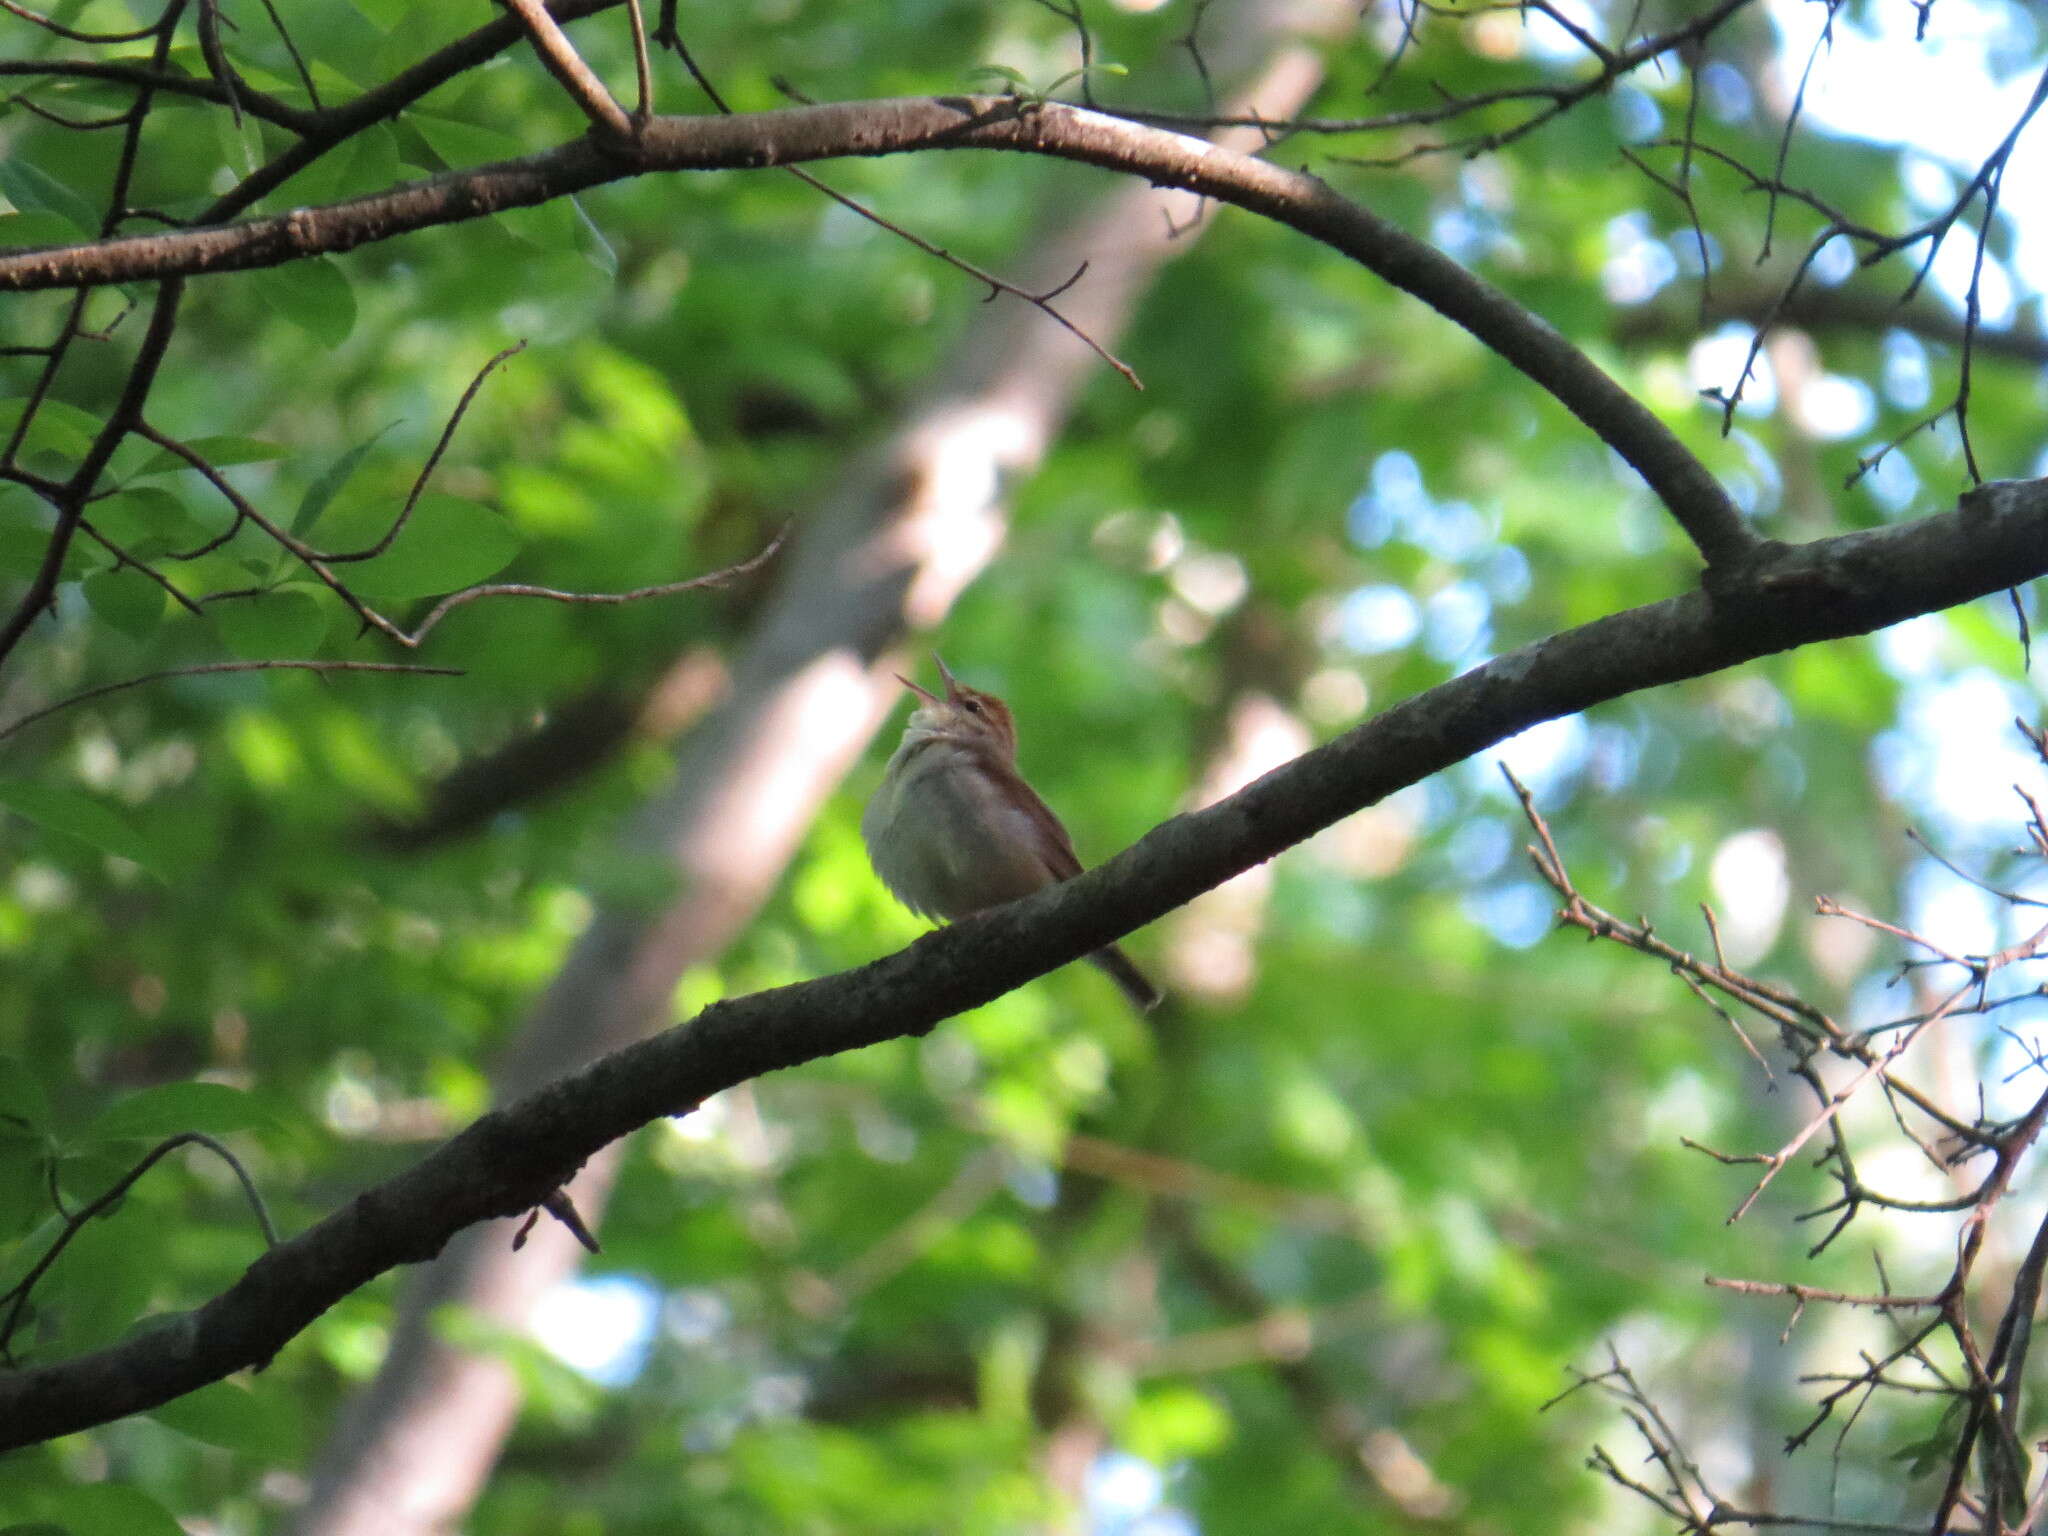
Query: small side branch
pixel 567 66
pixel 16 1299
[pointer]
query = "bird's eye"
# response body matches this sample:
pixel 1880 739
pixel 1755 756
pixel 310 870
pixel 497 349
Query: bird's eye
pixel 972 706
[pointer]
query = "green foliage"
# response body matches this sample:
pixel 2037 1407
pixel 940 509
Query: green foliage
pixel 1441 1161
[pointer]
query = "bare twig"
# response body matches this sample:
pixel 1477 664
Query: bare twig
pixel 204 669
pixel 1040 301
pixel 73 34
pixel 567 66
pixel 1986 1452
pixel 16 1299
pixel 468 595
pixel 419 484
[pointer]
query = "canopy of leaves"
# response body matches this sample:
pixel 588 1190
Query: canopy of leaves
pixel 1311 1255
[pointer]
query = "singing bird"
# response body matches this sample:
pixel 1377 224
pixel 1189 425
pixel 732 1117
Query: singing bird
pixel 954 828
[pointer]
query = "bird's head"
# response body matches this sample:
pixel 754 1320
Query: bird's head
pixel 964 714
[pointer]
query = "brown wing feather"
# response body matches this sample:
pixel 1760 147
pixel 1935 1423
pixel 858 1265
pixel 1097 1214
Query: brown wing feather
pixel 1056 850
pixel 1055 847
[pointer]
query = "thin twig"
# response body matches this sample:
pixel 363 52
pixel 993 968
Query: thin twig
pixel 420 480
pixel 72 34
pixel 17 1297
pixel 468 595
pixel 1039 301
pixel 207 668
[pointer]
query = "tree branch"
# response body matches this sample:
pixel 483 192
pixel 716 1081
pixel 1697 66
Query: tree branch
pixel 210 668
pixel 71 501
pixel 567 66
pixel 799 134
pixel 511 1159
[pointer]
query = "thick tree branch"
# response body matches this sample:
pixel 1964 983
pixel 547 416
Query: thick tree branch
pixel 799 134
pixel 511 1159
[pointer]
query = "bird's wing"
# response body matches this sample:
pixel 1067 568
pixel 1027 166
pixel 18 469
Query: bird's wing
pixel 1054 846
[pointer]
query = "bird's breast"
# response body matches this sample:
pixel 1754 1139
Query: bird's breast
pixel 944 838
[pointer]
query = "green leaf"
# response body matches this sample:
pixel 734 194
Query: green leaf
pixel 74 814
pixel 126 599
pixel 287 621
pixel 32 190
pixel 220 452
pixel 261 1422
pixel 108 1509
pixel 101 1284
pixel 1923 1456
pixel 550 226
pixel 463 144
pixel 323 489
pixel 1076 74
pixel 57 428
pixel 385 14
pixel 27 1251
pixel 24 1174
pixel 447 544
pixel 367 163
pixel 24 531
pixel 999 72
pixel 1169 1423
pixel 22 1100
pixel 147 521
pixel 212 1108
pixel 25 231
pixel 314 295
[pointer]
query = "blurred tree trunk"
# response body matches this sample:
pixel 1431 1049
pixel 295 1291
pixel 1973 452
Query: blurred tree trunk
pixel 886 552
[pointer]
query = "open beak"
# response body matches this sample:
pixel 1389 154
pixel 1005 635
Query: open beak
pixel 923 693
pixel 952 687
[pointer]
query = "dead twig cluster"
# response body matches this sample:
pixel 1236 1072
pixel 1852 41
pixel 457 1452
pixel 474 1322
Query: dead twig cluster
pixel 1966 1341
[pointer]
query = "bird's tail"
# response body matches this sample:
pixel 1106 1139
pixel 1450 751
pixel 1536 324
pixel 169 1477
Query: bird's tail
pixel 1143 995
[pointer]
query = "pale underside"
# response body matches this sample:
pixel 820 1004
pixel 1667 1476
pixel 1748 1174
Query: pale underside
pixel 975 839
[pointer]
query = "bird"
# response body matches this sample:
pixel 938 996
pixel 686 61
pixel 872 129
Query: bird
pixel 953 828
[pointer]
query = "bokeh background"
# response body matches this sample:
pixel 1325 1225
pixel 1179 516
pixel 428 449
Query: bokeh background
pixel 1312 1250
